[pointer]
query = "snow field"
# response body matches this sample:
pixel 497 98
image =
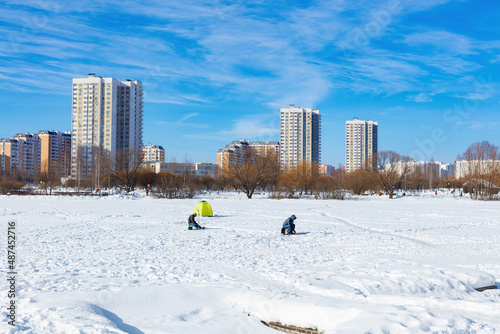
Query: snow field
pixel 129 265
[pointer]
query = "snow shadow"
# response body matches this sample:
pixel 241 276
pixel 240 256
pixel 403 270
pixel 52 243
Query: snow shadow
pixel 117 320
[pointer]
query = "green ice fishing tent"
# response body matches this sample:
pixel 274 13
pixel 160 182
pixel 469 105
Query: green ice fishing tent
pixel 204 209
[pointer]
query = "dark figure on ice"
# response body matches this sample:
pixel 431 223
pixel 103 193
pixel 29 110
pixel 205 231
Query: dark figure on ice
pixel 192 224
pixel 289 226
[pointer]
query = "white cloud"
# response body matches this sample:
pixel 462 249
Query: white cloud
pixel 252 127
pixel 473 96
pixel 421 5
pixel 195 52
pixel 444 41
pixel 182 122
pixel 478 125
pixel 420 98
pixel 382 73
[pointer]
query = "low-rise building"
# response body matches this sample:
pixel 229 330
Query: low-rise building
pixel 206 169
pixel 176 168
pixel 181 168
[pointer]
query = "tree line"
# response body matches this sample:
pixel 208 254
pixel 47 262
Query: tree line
pixel 385 172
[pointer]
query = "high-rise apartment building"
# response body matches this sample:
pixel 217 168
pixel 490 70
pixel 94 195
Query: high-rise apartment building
pixel 11 157
pixel 31 158
pixel 264 148
pixel 233 153
pixel 153 153
pixel 26 155
pixel 464 168
pixel 106 116
pixel 300 131
pixel 236 152
pixel 361 142
pixel 55 152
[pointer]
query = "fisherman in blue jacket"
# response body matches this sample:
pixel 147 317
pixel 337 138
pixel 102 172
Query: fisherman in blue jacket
pixel 289 226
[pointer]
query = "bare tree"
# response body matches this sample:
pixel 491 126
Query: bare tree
pixel 169 185
pixel 17 173
pixel 147 179
pixel 481 168
pixel 303 178
pixel 358 181
pixel 8 183
pixel 125 167
pixel 80 172
pixel 50 175
pixel 257 170
pixel 432 174
pixel 219 183
pixel 388 169
pixel 287 183
pixel 306 173
pixel 100 159
pixel 207 182
pixel 415 178
pixel 325 187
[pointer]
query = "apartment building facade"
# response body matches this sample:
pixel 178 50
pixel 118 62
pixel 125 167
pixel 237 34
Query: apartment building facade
pixel 31 154
pixel 361 143
pixel 464 168
pixel 300 136
pixel 233 153
pixel 236 152
pixel 55 152
pixel 266 149
pixel 26 155
pixel 154 153
pixel 11 157
pixel 326 170
pixel 436 169
pixel 206 169
pixel 197 169
pixel 106 116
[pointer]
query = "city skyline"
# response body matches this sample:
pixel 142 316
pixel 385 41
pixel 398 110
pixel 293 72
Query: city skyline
pixel 220 72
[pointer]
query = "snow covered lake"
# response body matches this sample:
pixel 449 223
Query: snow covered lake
pixel 129 265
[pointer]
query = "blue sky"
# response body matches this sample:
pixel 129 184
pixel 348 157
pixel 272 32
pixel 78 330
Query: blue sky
pixel 218 71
